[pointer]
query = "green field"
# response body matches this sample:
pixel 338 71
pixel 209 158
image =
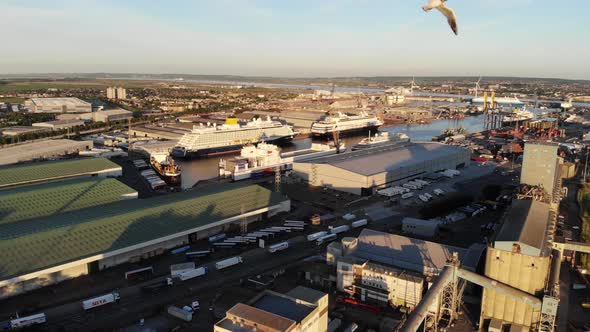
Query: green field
pixel 584 202
pixel 12 100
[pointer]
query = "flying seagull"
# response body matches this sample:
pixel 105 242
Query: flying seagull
pixel 446 11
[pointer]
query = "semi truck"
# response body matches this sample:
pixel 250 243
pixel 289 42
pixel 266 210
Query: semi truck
pixel 177 312
pixel 340 229
pixel 326 238
pixel 100 300
pixel 189 274
pixel 217 237
pixel 228 262
pixel 31 320
pixel 176 269
pixel 157 285
pixel 278 247
pixel 315 236
pixel 359 223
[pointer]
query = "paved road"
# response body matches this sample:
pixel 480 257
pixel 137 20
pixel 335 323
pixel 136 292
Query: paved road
pixel 134 304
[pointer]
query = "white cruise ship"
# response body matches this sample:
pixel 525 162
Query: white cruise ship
pixel 344 123
pixel 229 137
pixel 500 101
pixel 380 139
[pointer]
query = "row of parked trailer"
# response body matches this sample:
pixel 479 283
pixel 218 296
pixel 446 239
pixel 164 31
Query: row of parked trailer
pixel 332 234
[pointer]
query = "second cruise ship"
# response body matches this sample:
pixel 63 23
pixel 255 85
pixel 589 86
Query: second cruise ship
pixel 343 124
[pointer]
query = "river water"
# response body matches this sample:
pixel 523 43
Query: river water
pixel 203 169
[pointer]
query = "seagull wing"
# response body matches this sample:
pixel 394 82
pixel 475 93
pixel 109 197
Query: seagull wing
pixel 450 15
pixel 432 4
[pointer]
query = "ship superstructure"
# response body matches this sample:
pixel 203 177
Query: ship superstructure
pixel 343 123
pixel 205 140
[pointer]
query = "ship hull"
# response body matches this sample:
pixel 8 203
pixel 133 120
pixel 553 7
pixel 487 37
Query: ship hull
pixel 347 132
pixel 178 152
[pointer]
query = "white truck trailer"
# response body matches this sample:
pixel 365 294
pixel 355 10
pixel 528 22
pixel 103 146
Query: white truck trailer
pixel 100 300
pixel 278 247
pixel 228 262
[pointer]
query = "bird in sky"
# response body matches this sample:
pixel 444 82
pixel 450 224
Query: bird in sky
pixel 446 11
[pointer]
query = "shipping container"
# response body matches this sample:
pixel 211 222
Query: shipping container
pixel 315 236
pixel 340 229
pixel 140 274
pixel 359 223
pixel 189 274
pixel 228 262
pixel 217 237
pixel 197 254
pixel 28 321
pixel 278 247
pixel 179 250
pixel 326 238
pixel 177 312
pixel 100 301
pixel 176 269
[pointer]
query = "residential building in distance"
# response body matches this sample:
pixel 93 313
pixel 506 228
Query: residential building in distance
pixel 58 105
pixel 301 309
pixel 115 92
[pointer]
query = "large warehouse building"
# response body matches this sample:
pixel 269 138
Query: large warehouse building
pixel 361 172
pixel 58 105
pixel 42 149
pixel 41 251
pixel 17 175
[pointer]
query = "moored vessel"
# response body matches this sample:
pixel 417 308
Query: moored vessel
pixel 345 124
pixel 208 140
pixel 165 166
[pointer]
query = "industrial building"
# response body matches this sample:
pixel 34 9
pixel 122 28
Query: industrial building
pixel 301 309
pixel 58 105
pixel 59 124
pixel 21 130
pixel 522 255
pixel 106 116
pixel 42 150
pixel 361 172
pixel 12 176
pixel 113 115
pixel 115 92
pixel 420 227
pixel 42 251
pixel 390 269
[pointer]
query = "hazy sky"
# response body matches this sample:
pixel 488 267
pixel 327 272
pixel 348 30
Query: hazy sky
pixel 539 38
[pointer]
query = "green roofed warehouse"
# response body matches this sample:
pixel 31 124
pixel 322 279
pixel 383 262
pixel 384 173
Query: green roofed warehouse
pixel 45 250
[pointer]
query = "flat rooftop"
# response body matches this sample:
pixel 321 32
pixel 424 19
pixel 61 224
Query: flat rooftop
pixel 37 244
pixel 526 222
pixel 52 170
pixel 282 306
pixel 412 254
pixel 47 199
pixel 389 158
pixel 46 148
pixel 260 317
pixel 68 101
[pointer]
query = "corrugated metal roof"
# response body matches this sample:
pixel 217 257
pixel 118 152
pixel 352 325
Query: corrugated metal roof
pixel 45 171
pixel 526 222
pixel 58 197
pixel 390 158
pixel 261 317
pixel 36 244
pixel 283 306
pixel 405 252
